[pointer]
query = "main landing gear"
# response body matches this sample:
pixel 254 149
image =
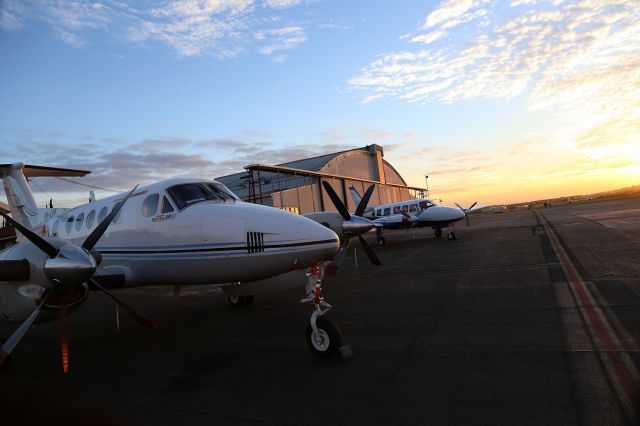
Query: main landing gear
pixel 380 237
pixel 236 301
pixel 323 336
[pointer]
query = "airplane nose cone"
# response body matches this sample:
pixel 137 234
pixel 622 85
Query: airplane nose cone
pixel 318 242
pixel 459 214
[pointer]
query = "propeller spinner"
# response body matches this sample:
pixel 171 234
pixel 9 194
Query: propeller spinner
pixel 67 268
pixel 466 215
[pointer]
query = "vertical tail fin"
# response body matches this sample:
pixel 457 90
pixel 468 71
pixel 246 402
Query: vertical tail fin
pixel 355 195
pixel 19 196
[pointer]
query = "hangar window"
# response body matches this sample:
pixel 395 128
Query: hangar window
pixel 91 217
pixel 69 225
pixel 150 205
pixel 387 211
pixel 191 193
pixel 79 221
pixel 166 205
pixel 413 207
pixel 396 209
pixel 102 214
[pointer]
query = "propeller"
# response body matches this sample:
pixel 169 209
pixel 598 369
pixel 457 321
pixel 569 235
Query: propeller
pixel 466 215
pixel 351 226
pixel 410 220
pixel 67 267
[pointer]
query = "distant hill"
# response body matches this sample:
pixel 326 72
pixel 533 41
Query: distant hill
pixel 627 192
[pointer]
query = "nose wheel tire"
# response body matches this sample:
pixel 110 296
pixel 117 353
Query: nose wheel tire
pixel 236 301
pixel 438 232
pixel 326 341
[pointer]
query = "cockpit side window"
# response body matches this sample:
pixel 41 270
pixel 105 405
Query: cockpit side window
pixel 166 205
pixel 150 205
pixel 413 207
pixel 190 193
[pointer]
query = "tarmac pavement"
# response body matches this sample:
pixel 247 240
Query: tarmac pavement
pixel 498 327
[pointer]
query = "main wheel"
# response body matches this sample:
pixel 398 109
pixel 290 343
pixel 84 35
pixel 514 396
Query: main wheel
pixel 438 232
pixel 236 301
pixel 326 341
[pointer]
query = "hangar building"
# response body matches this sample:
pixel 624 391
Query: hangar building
pixel 297 186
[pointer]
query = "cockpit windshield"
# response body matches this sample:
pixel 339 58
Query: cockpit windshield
pixel 190 193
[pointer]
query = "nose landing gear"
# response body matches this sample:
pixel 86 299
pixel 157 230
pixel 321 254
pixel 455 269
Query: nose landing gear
pixel 323 336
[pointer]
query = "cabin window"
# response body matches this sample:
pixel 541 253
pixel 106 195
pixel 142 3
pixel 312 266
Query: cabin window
pixel 379 213
pixel 56 225
pixel 102 214
pixel 405 208
pixel 150 205
pixel 119 215
pixel 387 211
pixel 69 225
pixel 166 205
pixel 424 205
pixel 91 217
pixel 79 221
pixel 396 210
pixel 413 207
pixel 191 193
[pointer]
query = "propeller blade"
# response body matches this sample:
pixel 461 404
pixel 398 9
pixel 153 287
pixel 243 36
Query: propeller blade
pixel 472 205
pixel 135 314
pixel 93 238
pixel 369 251
pixel 459 206
pixel 332 269
pixel 337 202
pixel 36 239
pixel 17 335
pixel 362 205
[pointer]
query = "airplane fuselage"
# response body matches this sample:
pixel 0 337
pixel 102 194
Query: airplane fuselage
pixel 166 234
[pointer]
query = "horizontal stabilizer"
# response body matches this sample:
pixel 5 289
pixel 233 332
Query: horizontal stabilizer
pixel 37 171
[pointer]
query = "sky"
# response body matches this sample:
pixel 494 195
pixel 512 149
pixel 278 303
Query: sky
pixel 496 101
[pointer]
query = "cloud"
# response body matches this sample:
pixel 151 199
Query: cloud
pixel 577 61
pixel 217 28
pixel 282 4
pixel 279 39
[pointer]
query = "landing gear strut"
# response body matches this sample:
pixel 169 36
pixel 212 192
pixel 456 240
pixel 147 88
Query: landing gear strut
pixel 323 336
pixel 380 237
pixel 451 235
pixel 438 232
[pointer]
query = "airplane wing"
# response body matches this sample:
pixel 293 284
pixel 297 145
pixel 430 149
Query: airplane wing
pixel 30 170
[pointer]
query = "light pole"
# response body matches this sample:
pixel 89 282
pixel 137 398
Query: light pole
pixel 426 183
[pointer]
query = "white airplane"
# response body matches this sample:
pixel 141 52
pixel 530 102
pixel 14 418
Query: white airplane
pixel 178 231
pixel 413 214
